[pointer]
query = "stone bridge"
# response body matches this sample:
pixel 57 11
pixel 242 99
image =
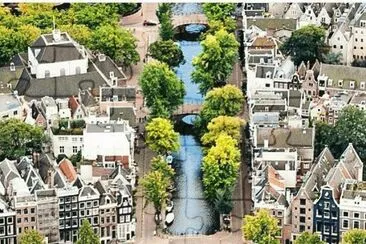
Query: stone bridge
pixel 187 109
pixel 181 20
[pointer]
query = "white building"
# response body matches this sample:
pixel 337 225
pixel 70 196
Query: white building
pixel 67 144
pixel 108 143
pixel 10 106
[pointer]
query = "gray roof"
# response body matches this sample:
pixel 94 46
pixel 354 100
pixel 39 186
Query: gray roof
pixel 8 102
pixel 8 171
pixel 9 77
pixel 108 66
pixel 285 137
pixel 345 73
pixel 294 98
pixel 272 23
pixel 361 18
pixel 128 93
pixel 351 191
pixel 261 71
pixel 102 128
pixel 358 99
pixel 88 191
pixel 58 87
pixel 123 113
pixel 266 118
pixel 87 99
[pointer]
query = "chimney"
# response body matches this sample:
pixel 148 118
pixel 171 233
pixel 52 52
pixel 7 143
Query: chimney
pixel 56 33
pixel 12 66
pixel 101 57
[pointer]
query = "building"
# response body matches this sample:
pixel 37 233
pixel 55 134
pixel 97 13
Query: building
pixel 108 143
pixel 7 224
pixel 10 106
pixel 359 100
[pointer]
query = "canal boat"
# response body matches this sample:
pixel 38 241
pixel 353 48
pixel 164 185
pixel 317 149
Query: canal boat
pixel 169 206
pixel 169 219
pixel 169 159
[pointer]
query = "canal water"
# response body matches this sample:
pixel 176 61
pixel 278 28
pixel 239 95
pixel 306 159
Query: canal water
pixel 193 214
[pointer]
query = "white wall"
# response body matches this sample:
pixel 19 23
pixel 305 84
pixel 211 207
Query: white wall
pixel 254 84
pixel 55 68
pixel 68 142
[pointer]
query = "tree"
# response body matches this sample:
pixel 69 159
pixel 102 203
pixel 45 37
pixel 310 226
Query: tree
pixel 220 167
pixel 86 234
pixel 332 58
pixel 222 125
pixel 350 128
pixel 18 139
pixel 161 136
pixel 39 15
pixel 226 101
pixel 164 8
pixel 31 237
pixel 155 189
pixel 159 164
pixel 354 236
pixel 168 52
pixel 308 238
pixel 261 228
pixel 80 33
pixel 116 42
pixel 219 14
pixel 305 44
pixel 162 89
pixel 222 202
pixel 126 8
pixel 215 63
pixel 166 29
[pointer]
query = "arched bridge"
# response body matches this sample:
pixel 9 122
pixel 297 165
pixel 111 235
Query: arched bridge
pixel 187 109
pixel 180 20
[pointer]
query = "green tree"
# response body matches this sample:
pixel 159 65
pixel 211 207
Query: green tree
pixel 159 163
pixel 80 33
pixel 220 14
pixel 166 29
pixel 94 15
pixel 86 234
pixel 220 166
pixel 308 238
pixel 31 237
pixel 116 42
pixel 215 63
pixel 161 136
pixel 163 91
pixel 125 8
pixel 354 236
pixel 227 101
pixel 223 201
pixel 168 52
pixel 332 58
pixel 39 15
pixel 155 186
pixel 261 228
pixel 18 138
pixel 164 8
pixel 305 44
pixel 222 125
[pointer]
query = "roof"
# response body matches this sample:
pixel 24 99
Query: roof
pixel 272 23
pixel 107 65
pixel 58 87
pixel 358 99
pixel 73 104
pixel 294 99
pixel 8 102
pixel 103 128
pixel 262 70
pixel 285 137
pixel 123 113
pixel 123 93
pixel 263 42
pixel 266 118
pixel 361 18
pixel 87 98
pixel 101 171
pixel 67 169
pixel 345 73
pixel 9 77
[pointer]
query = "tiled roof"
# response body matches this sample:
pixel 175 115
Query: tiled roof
pixel 123 113
pixel 108 66
pixel 272 23
pixel 285 137
pixel 73 104
pixel 68 169
pixel 345 73
pixel 263 42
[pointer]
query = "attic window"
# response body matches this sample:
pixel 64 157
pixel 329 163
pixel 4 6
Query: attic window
pixel 340 83
pixel 12 66
pixel 363 23
pixel 351 84
pixel 362 85
pixel 268 75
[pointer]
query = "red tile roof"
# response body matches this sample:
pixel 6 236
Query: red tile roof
pixel 68 169
pixel 73 104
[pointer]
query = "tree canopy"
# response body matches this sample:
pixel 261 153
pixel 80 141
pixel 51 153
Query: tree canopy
pixel 155 189
pixel 220 166
pixel 86 234
pixel 350 128
pixel 167 52
pixel 222 125
pixel 215 63
pixel 261 228
pixel 354 236
pixel 220 14
pixel 309 238
pixel 166 29
pixel 31 237
pixel 118 43
pixel 163 91
pixel 332 58
pixel 18 139
pixel 305 44
pixel 225 101
pixel 161 137
pixel 159 163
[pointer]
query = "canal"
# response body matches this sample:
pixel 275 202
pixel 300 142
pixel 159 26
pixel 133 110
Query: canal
pixel 193 214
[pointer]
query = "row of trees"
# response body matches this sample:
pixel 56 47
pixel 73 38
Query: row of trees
pixel 93 25
pixel 161 138
pixel 263 228
pixel 86 236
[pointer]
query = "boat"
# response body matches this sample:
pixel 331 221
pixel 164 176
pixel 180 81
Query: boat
pixel 169 159
pixel 169 219
pixel 169 206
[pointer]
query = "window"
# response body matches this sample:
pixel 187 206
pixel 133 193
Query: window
pixel 82 205
pixel 363 23
pixel 10 220
pixel 334 46
pixel 345 224
pixel 95 203
pixel 47 74
pixel 351 84
pixel 62 149
pixel 19 220
pixel 2 230
pixel 33 219
pixel 302 210
pixel 362 85
pixel 74 139
pixel 361 40
pixel 302 219
pixel 340 83
pixel 355 39
pixel 341 47
pixel 302 201
pixel 25 211
pixel 302 228
pixel 354 47
pixel 356 215
pixel 356 224
pixel 74 149
pixel 268 85
pixel 88 204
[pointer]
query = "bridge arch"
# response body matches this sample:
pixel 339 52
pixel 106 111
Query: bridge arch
pixel 182 20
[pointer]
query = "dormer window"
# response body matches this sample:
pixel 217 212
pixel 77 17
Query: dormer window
pixel 352 84
pixel 340 83
pixel 111 74
pixel 363 23
pixel 362 85
pixel 268 75
pixel 12 66
pixel 330 82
